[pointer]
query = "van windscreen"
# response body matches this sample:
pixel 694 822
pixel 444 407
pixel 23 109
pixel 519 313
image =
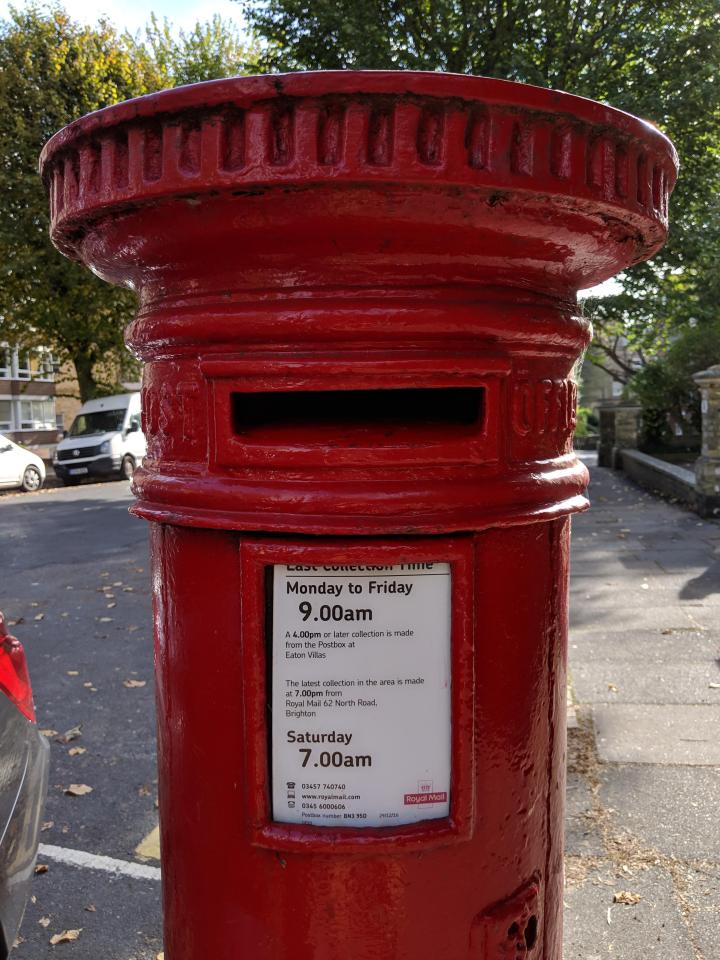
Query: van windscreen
pixel 99 421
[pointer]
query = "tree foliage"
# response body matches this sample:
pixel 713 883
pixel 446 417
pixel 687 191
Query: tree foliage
pixel 658 61
pixel 53 70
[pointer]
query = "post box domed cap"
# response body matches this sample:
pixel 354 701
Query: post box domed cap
pixel 444 131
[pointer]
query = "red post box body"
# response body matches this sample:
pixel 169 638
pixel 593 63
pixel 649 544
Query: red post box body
pixel 358 318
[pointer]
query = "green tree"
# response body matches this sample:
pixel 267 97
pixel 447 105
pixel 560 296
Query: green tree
pixel 53 70
pixel 208 51
pixel 659 61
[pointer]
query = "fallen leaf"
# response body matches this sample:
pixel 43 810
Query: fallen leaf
pixel 77 751
pixel 111 605
pixel 78 790
pixel 72 734
pixel 67 936
pixel 161 955
pixel 47 825
pixel 39 616
pixel 91 908
pixel 128 589
pixel 44 921
pixel 612 688
pixel 627 897
pixel 105 619
pixel 117 583
pixel 144 791
pixel 645 586
pixel 714 686
pixel 41 868
pixel 16 622
pixel 134 683
pixel 666 633
pixel 49 733
pixel 88 683
pixel 73 673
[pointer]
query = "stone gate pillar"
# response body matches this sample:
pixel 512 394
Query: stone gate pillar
pixel 606 417
pixel 627 429
pixel 707 467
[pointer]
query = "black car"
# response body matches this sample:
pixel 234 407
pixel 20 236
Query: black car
pixel 24 761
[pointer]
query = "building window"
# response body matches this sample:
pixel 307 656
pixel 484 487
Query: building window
pixel 23 365
pixel 35 365
pixel 37 414
pixel 5 363
pixel 5 414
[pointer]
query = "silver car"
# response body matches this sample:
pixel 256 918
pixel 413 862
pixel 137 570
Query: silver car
pixel 24 761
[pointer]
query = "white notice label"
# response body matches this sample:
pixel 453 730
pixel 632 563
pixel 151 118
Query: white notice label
pixel 361 694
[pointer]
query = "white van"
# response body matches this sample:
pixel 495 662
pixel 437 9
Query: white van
pixel 105 438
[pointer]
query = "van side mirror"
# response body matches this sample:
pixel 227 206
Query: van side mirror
pixel 65 433
pixel 132 428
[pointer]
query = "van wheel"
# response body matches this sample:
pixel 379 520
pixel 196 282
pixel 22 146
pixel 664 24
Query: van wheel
pixel 31 479
pixel 127 468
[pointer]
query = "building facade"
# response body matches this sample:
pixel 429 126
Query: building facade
pixel 27 396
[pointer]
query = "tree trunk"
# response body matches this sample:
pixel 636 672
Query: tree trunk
pixel 84 372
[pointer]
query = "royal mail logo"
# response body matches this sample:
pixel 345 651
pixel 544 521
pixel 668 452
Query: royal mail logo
pixel 439 796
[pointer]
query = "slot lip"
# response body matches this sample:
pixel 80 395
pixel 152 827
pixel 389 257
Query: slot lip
pixel 438 444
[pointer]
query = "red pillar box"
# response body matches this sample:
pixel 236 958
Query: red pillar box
pixel 358 318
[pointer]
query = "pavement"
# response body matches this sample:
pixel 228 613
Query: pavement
pixel 643 845
pixel 643 841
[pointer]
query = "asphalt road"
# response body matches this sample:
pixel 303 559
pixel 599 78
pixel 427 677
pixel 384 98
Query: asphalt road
pixel 75 588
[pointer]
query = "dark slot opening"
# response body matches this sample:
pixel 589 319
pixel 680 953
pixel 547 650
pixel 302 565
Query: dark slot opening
pixel 351 415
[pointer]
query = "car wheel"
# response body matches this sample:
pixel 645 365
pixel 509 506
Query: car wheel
pixel 127 468
pixel 31 479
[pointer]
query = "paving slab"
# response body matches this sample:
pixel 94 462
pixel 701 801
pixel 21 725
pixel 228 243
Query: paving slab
pixel 647 681
pixel 702 889
pixel 588 613
pixel 658 734
pixel 661 590
pixel 596 928
pixel 686 644
pixel 582 836
pixel 673 810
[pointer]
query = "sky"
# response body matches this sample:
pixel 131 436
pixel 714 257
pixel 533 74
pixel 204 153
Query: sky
pixel 134 14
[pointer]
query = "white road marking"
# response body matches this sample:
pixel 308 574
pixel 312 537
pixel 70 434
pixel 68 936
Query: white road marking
pixel 92 861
